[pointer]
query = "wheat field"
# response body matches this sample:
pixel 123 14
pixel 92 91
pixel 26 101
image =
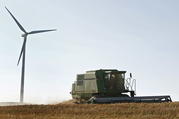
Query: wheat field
pixel 92 111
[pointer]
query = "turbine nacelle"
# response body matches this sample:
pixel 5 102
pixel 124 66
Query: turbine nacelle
pixel 24 35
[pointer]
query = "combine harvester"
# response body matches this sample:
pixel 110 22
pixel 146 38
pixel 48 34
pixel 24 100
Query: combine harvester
pixel 109 86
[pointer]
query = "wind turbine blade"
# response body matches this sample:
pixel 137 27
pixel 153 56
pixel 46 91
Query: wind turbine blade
pixel 20 26
pixel 41 31
pixel 22 49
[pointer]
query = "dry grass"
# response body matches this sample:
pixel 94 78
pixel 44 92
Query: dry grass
pixel 92 111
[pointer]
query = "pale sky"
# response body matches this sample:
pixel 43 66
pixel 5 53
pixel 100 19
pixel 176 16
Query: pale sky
pixel 133 35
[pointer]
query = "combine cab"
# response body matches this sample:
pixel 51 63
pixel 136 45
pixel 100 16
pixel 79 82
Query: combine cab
pixel 109 86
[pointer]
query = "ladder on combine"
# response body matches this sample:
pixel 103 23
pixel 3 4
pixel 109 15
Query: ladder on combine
pixel 130 86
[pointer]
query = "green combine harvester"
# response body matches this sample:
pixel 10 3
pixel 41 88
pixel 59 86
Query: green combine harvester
pixel 109 86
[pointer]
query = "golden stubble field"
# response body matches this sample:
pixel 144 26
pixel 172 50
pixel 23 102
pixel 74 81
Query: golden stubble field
pixel 93 111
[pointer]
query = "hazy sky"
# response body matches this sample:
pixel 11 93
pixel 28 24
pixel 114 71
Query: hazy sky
pixel 133 35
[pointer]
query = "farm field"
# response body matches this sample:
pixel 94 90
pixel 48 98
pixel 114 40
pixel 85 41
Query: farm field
pixel 92 111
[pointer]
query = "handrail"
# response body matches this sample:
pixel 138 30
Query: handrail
pixel 130 84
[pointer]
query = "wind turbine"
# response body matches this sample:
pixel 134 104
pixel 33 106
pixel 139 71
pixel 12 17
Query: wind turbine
pixel 23 50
